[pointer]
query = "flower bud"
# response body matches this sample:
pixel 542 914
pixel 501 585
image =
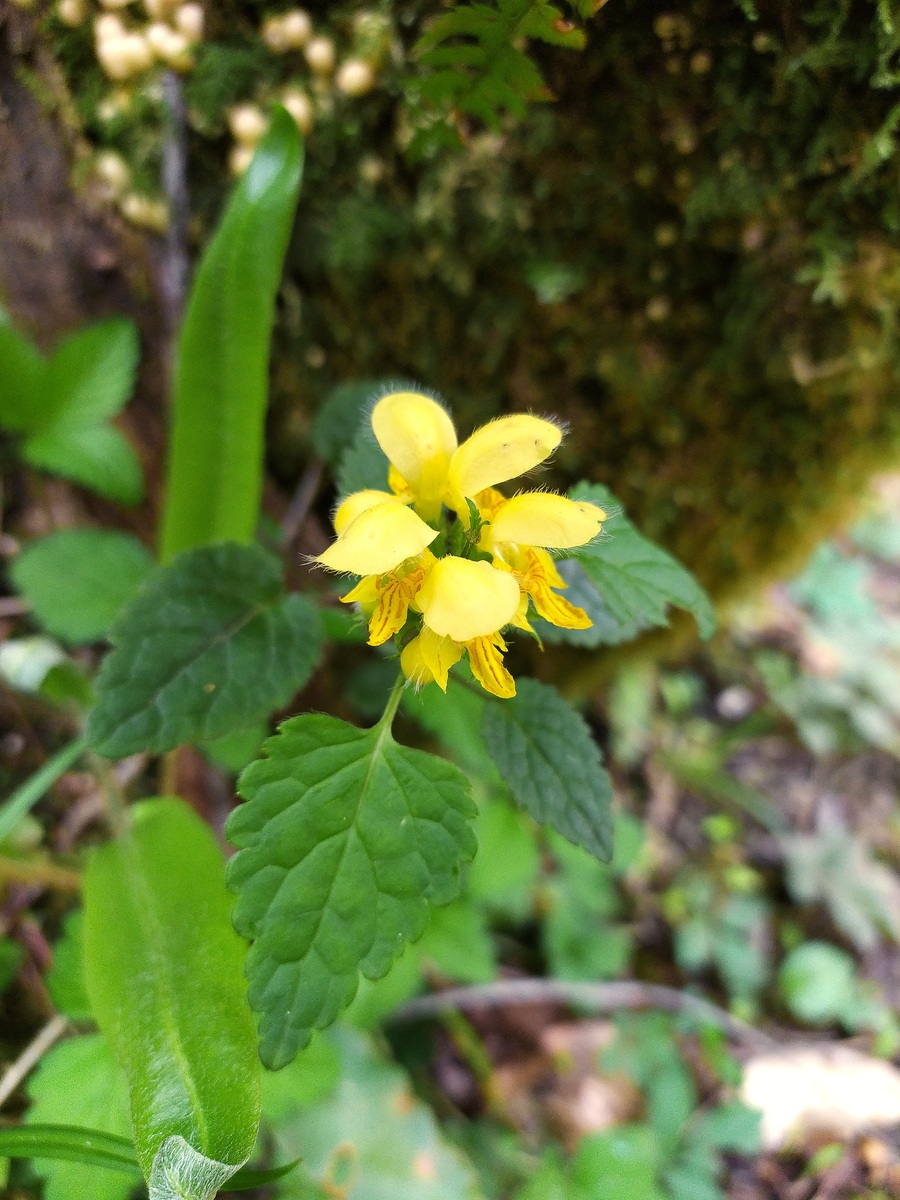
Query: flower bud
pixel 147 213
pixel 296 28
pixel 239 159
pixel 300 107
pixel 124 56
pixel 355 77
pixel 113 171
pixel 247 124
pixel 169 46
pixel 189 21
pixel 71 12
pixel 320 55
pixel 274 36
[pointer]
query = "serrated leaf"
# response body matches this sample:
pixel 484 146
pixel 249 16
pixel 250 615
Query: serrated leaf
pixel 222 371
pixel 363 465
pixel 78 1083
pixel 545 752
pixel 374 1125
pixel 77 581
pixel 164 978
pixel 636 579
pixel 98 457
pixel 346 839
pixel 605 630
pixel 210 644
pixel 336 423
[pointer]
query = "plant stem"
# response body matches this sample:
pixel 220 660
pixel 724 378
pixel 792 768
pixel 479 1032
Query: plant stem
pixel 45 874
pixel 23 800
pixel 386 719
pixel 31 1056
pixel 596 997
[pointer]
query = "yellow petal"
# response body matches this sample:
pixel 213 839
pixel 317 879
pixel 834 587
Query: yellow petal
pixel 557 609
pixel 412 663
pixel 439 654
pixel 500 450
pixel 394 598
pixel 359 502
pixel 365 593
pixel 464 600
pixel 544 519
pixel 418 437
pixel 378 540
pixel 486 661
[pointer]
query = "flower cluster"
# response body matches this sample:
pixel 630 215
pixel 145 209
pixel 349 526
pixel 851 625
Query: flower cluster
pixel 452 586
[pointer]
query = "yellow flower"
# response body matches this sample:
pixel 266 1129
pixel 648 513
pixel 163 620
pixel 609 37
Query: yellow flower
pixel 464 600
pixel 431 470
pixel 464 606
pixel 519 532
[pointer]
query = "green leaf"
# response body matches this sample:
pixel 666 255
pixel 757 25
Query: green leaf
pixel 636 579
pixel 818 982
pixel 79 1084
pixel 163 967
pixel 730 1126
pixel 221 377
pixel 65 979
pixel 98 457
pixel 24 798
pixel 620 1162
pixel 605 630
pixel 22 371
pixel 77 581
pixel 91 374
pixel 68 1143
pixel 211 644
pixel 346 839
pixel 545 752
pixel 336 423
pixel 363 465
pixel 373 1131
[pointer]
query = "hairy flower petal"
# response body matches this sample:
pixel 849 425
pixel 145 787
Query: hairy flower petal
pixel 546 520
pixel 501 450
pixel 357 503
pixel 378 540
pixel 418 437
pixel 463 600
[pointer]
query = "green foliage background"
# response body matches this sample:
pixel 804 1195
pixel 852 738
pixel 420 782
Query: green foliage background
pixel 690 252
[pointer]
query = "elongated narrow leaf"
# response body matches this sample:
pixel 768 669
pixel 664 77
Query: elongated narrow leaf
pixel 24 798
pixel 636 579
pixel 164 977
pixel 79 1084
pixel 545 752
pixel 210 644
pixel 68 1143
pixel 221 379
pixel 346 839
pixel 77 581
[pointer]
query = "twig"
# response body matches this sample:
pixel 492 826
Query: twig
pixel 174 267
pixel 32 1055
pixel 42 874
pixel 597 997
pixel 12 606
pixel 301 502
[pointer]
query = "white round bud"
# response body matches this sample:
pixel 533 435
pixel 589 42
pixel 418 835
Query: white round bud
pixel 169 46
pixel 300 107
pixel 189 21
pixel 113 171
pixel 71 12
pixel 273 35
pixel 159 10
pixel 319 53
pixel 147 213
pixel 355 77
pixel 247 124
pixel 296 28
pixel 108 26
pixel 124 56
pixel 239 159
pixel 114 3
